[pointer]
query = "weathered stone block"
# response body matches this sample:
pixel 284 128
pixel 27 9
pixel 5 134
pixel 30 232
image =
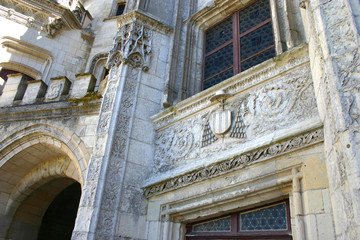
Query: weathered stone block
pixel 35 91
pixel 325 226
pixel 313 202
pixel 83 84
pixel 58 88
pixel 315 174
pixel 14 89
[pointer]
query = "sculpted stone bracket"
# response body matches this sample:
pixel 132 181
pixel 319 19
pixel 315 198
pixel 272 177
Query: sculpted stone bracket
pixel 236 162
pixel 132 44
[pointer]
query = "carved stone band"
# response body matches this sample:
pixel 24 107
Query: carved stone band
pixel 236 162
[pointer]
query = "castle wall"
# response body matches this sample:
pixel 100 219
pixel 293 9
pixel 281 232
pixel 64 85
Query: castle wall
pixel 155 154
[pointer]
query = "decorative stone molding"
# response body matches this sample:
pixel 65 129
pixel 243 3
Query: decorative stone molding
pixel 40 14
pixel 132 44
pixel 235 163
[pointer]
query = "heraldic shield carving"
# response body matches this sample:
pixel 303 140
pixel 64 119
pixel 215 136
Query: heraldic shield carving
pixel 220 121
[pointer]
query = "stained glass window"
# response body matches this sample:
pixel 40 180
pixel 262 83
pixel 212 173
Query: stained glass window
pixel 238 43
pixel 271 221
pixel 217 225
pixel 270 218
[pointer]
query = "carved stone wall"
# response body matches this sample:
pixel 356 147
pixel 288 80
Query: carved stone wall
pixel 281 103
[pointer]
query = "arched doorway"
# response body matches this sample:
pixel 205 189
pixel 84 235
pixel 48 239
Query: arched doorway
pixel 59 219
pixel 49 212
pixel 36 171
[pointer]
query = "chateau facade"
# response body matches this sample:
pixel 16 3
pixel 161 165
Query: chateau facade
pixel 179 120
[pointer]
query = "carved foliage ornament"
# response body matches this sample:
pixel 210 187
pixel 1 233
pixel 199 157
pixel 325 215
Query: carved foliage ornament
pixel 132 44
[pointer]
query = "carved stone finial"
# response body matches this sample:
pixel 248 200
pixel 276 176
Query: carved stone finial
pixel 132 45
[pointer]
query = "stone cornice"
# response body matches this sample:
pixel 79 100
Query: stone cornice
pixel 61 109
pixel 235 163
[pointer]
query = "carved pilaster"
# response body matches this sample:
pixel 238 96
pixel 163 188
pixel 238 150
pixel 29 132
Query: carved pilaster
pixel 334 53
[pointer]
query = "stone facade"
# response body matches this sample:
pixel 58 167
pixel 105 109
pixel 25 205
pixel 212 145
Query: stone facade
pixel 115 103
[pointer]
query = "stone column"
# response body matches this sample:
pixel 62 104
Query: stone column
pixel 112 204
pixel 335 63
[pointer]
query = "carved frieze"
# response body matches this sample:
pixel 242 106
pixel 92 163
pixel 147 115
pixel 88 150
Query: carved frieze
pixel 131 45
pixel 275 105
pixel 236 162
pixel 279 104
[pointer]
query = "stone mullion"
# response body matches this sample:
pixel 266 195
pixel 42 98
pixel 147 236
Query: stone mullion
pixel 117 159
pixel 92 195
pixel 339 105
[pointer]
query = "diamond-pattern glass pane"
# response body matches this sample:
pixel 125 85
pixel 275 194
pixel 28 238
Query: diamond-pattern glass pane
pixel 218 225
pixel 256 41
pixel 258 59
pixel 219 78
pixel 218 61
pixel 270 218
pixel 219 34
pixel 254 14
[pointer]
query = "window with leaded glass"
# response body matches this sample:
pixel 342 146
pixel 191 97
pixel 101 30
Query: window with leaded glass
pixel 267 222
pixel 238 43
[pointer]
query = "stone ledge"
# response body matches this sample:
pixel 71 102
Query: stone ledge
pixel 48 110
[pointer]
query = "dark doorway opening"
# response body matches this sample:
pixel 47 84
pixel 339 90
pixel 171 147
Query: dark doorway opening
pixel 59 219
